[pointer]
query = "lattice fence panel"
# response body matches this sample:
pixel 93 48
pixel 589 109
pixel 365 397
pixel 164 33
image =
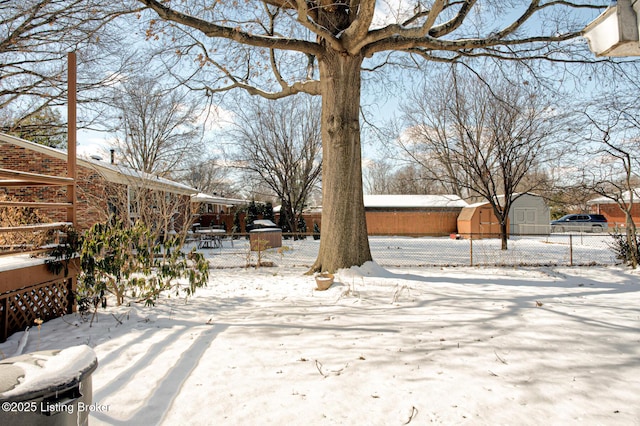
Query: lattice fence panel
pixel 20 308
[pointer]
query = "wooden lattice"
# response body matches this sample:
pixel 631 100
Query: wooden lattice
pixel 20 308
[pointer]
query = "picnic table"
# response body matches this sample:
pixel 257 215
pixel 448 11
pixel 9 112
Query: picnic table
pixel 210 237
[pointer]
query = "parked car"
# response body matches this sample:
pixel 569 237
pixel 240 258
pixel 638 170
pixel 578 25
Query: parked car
pixel 580 223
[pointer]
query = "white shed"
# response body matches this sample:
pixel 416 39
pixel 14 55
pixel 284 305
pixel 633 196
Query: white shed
pixel 529 214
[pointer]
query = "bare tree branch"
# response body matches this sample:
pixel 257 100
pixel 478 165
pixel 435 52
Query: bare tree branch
pixel 481 140
pixel 284 153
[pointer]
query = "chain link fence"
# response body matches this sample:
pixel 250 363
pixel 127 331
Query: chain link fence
pixel 569 249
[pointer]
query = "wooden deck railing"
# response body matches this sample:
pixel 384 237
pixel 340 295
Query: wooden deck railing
pixel 31 292
pixel 14 179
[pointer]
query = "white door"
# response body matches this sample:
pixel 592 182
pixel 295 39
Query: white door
pixel 525 220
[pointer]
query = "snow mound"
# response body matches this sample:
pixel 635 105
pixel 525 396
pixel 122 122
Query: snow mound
pixel 368 269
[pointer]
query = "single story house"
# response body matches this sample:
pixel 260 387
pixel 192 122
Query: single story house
pixel 612 211
pixel 412 214
pixel 35 176
pixel 403 214
pixel 213 210
pixel 102 187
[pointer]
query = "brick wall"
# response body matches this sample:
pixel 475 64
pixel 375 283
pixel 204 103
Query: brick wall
pixel 615 216
pixel 421 222
pixel 424 221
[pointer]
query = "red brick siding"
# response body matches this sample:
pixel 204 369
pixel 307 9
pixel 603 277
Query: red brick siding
pixel 91 187
pixel 419 221
pixel 615 215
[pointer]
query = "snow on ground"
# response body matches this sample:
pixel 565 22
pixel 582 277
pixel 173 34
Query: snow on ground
pixel 401 251
pixel 476 346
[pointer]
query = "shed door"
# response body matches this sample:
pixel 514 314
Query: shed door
pixel 525 221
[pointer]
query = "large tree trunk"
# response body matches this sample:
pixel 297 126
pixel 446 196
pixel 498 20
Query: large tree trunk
pixel 343 219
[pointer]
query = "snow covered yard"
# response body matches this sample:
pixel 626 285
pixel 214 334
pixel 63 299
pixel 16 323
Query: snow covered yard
pixel 380 347
pixel 403 251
